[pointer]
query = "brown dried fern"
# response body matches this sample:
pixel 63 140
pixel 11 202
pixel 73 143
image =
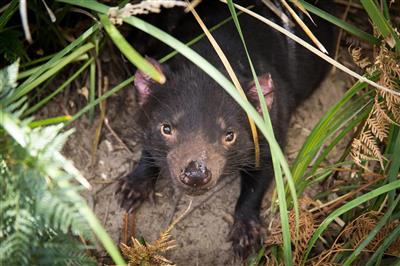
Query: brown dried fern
pixel 358 230
pixel 359 60
pixel 326 256
pixel 307 227
pixel 146 254
pixel 386 108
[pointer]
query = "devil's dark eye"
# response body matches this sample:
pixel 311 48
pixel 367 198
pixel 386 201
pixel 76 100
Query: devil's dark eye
pixel 230 136
pixel 166 129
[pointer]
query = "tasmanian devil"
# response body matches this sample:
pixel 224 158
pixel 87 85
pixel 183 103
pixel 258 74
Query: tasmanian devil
pixel 192 131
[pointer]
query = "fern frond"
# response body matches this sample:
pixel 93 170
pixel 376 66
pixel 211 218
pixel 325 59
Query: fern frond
pixel 149 254
pixel 39 219
pixel 386 109
pixel 379 128
pixel 362 62
pixel 63 252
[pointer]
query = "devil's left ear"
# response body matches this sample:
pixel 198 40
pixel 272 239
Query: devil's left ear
pixel 143 82
pixel 267 88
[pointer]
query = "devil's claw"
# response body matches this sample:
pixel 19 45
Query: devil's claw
pixel 131 192
pixel 246 237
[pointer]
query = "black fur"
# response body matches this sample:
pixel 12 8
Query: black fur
pixel 198 101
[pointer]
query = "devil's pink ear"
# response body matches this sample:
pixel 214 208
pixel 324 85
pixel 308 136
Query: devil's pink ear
pixel 143 82
pixel 267 88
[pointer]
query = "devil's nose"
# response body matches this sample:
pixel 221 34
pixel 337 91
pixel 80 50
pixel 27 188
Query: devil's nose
pixel 196 174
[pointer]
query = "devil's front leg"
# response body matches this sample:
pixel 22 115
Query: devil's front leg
pixel 136 187
pixel 247 229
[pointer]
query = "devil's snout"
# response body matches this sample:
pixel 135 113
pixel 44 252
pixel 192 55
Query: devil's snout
pixel 196 174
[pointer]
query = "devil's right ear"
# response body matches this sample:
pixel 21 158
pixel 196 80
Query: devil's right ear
pixel 143 82
pixel 267 88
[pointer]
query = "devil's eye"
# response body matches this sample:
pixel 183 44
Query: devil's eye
pixel 230 136
pixel 166 129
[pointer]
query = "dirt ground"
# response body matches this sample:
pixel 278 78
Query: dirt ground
pixel 202 234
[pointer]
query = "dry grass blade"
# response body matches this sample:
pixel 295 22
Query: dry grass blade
pixel 234 79
pixel 278 12
pixel 145 254
pixel 23 11
pixel 304 27
pixel 49 11
pixel 301 8
pixel 315 50
pixel 192 5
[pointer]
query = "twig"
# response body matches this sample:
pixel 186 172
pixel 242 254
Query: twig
pixel 133 224
pixel 175 208
pixel 125 233
pixel 107 211
pixel 115 135
pixel 346 2
pixel 101 88
pixel 180 217
pixel 344 17
pixel 230 181
pixel 340 199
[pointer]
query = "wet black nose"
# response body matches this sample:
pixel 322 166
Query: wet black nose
pixel 196 174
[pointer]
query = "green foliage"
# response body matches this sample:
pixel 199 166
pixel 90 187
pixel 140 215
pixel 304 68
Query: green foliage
pixel 10 45
pixel 42 214
pixel 40 224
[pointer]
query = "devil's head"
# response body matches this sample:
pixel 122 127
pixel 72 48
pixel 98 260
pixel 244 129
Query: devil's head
pixel 193 129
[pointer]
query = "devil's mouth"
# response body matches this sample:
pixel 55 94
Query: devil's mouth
pixel 194 191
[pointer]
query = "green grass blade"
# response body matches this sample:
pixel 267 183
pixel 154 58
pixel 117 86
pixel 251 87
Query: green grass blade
pixel 104 238
pixel 340 23
pixel 37 61
pixel 92 87
pixel 389 239
pixel 383 221
pixel 29 72
pixel 23 90
pixel 395 165
pixel 8 13
pixel 381 23
pixel 102 98
pixel 287 247
pixel 386 12
pixel 283 213
pixel 131 54
pixel 37 106
pixel 50 121
pixel 345 208
pixel 313 142
pixel 358 115
pixel 357 110
pixel 256 259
